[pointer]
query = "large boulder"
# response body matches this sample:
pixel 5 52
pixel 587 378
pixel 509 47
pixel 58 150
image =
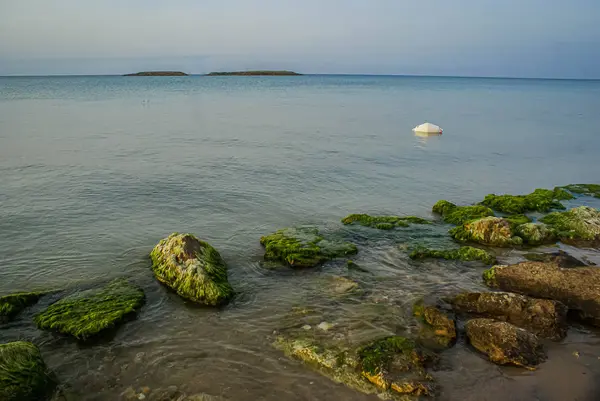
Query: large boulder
pixel 89 313
pixel 540 200
pixel 192 268
pixel 436 324
pixel 465 253
pixel 579 226
pixel 577 288
pixel 23 374
pixel 383 222
pixel 303 247
pixel 11 305
pixel 460 214
pixel 491 231
pixel 504 343
pixel 542 317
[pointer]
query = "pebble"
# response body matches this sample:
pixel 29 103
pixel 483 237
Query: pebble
pixel 306 327
pixel 325 326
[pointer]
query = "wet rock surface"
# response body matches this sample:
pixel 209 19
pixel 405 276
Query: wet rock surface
pixel 490 231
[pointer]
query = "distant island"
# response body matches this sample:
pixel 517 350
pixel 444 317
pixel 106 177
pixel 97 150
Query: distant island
pixel 270 73
pixel 157 74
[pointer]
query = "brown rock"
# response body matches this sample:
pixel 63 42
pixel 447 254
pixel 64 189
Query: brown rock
pixel 437 325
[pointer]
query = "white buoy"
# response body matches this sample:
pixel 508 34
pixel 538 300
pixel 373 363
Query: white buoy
pixel 428 128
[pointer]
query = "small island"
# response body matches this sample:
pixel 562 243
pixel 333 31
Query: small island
pixel 157 74
pixel 252 73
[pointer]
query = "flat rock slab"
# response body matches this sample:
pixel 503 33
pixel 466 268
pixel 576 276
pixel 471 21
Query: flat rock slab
pixel 504 343
pixel 542 317
pixel 577 288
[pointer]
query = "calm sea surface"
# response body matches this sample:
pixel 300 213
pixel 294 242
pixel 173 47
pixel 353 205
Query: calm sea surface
pixel 94 171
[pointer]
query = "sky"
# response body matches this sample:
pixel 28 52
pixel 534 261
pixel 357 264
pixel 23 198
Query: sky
pixel 507 38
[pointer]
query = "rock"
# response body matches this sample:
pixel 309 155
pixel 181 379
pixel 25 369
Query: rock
pixel 24 375
pixel 170 393
pixel 193 268
pixel 536 233
pixel 577 288
pixel 504 343
pixel 579 226
pixel 391 367
pixel 540 200
pixel 435 324
pixel 460 214
pixel 352 265
pixel 383 222
pixel 560 258
pixel 303 247
pixel 89 313
pixel 516 220
pixel 129 394
pixel 584 189
pixel 325 326
pixel 466 253
pixel 11 305
pixel 542 317
pixel 491 231
pixel 341 285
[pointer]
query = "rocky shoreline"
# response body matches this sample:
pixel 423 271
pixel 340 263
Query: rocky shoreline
pixel 529 302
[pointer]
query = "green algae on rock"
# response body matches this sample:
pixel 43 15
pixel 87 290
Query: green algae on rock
pixel 192 268
pixel 542 317
pixel 504 343
pixel 88 313
pixel 577 288
pixel 23 374
pixel 436 324
pixel 383 222
pixel 460 214
pixel 491 231
pixel 303 247
pixel 584 189
pixel 536 233
pixel 466 253
pixel 392 367
pixel 11 305
pixel 578 226
pixel 540 200
pixel 518 219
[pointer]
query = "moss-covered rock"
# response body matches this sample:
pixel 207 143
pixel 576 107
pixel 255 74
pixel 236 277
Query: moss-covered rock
pixel 460 214
pixel 88 313
pixel 560 258
pixel 516 220
pixel 504 343
pixel 192 268
pixel 577 288
pixel 584 189
pixel 392 367
pixel 466 253
pixel 303 247
pixel 540 200
pixel 536 233
pixel 23 374
pixel 491 231
pixel 542 317
pixel 436 324
pixel 11 305
pixel 578 226
pixel 383 222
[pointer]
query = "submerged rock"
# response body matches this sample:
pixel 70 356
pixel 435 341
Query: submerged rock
pixel 383 222
pixel 460 214
pixel 540 200
pixel 88 313
pixel 339 286
pixel 303 247
pixel 11 305
pixel 560 258
pixel 542 317
pixel 577 288
pixel 536 233
pixel 466 253
pixel 578 226
pixel 23 374
pixel 392 367
pixel 504 343
pixel 584 189
pixel 193 268
pixel 491 231
pixel 436 324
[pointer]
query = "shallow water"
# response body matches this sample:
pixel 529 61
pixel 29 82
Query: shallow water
pixel 95 170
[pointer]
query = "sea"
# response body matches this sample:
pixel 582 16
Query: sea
pixel 95 170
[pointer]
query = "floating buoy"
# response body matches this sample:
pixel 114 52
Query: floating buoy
pixel 428 128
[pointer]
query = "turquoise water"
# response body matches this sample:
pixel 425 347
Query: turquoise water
pixel 95 170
